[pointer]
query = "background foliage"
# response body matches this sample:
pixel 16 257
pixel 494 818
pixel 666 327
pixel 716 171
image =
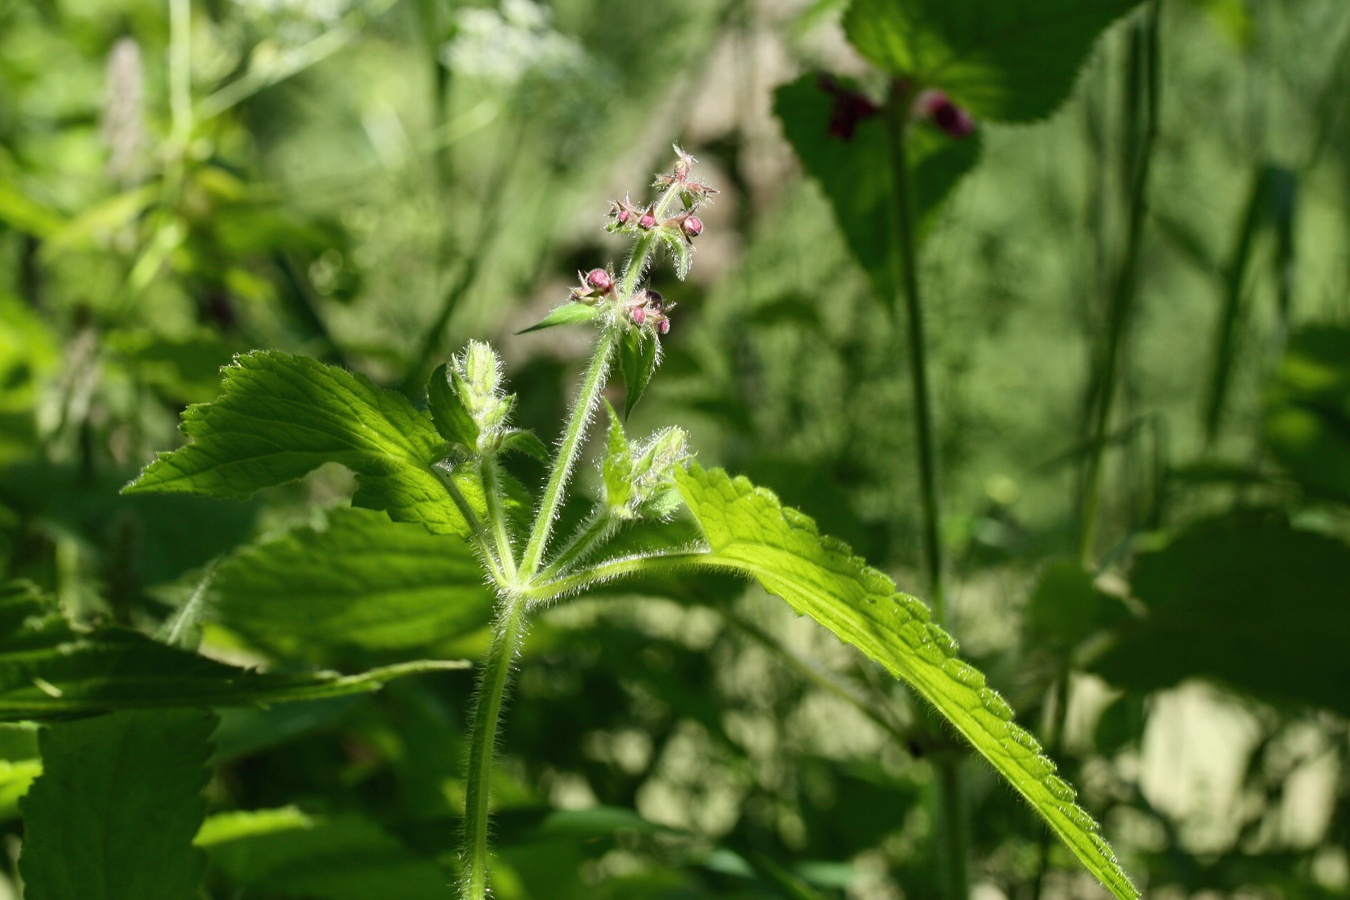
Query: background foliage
pixel 372 184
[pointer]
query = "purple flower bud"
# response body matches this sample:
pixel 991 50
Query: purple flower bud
pixel 692 225
pixel 648 221
pixel 655 300
pixel 622 217
pixel 639 315
pixel 600 280
pixel 938 108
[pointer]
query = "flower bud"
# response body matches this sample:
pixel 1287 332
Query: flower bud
pixel 600 280
pixel 937 107
pixel 647 222
pixel 692 225
pixel 639 314
pixel 664 327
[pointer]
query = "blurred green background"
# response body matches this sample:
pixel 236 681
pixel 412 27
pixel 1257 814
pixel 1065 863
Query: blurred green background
pixel 374 183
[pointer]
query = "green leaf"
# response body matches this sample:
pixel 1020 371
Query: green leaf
pixel 638 352
pixel 288 853
pixel 1010 61
pixel 570 313
pixel 15 780
pixel 855 173
pixel 749 531
pixel 1066 607
pixel 364 583
pixel 617 468
pixel 1246 599
pixel 526 442
pixel 48 670
pixel 448 412
pixel 1307 413
pixel 282 416
pixel 113 815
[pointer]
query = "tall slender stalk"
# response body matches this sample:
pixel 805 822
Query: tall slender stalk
pixel 952 849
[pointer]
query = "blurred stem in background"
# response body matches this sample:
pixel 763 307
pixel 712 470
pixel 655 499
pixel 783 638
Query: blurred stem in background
pixel 952 848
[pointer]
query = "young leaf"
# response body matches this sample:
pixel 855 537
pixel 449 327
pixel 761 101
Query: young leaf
pixel 617 467
pixel 113 815
pixel 451 417
pixel 855 173
pixel 750 532
pixel 637 362
pixel 47 670
pixel 526 442
pixel 286 852
pixel 1008 61
pixel 364 583
pixel 570 313
pixel 282 416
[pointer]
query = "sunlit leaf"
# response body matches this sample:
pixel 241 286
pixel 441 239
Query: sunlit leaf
pixel 282 416
pixel 568 314
pixel 749 531
pixel 113 815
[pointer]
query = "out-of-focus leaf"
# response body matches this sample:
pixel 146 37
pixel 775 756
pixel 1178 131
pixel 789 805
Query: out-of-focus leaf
pixel 15 780
pixel 1066 608
pixel 748 531
pixel 282 416
pixel 288 853
pixel 1245 599
pixel 1011 61
pixel 364 583
pixel 117 805
pixel 1307 414
pixel 48 670
pixel 183 369
pixel 23 213
pixel 855 173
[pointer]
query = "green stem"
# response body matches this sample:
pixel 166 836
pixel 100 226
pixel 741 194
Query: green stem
pixel 475 526
pixel 487 716
pixel 597 527
pixel 180 71
pixel 952 851
pixel 592 384
pixel 618 568
pixel 494 492
pixel 1121 301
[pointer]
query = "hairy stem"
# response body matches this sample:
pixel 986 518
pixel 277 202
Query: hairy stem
pixel 597 527
pixel 487 716
pixel 495 494
pixel 952 835
pixel 592 384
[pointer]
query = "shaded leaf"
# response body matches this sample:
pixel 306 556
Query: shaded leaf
pixel 1307 412
pixel 750 532
pixel 364 583
pixel 1246 599
pixel 282 416
pixel 638 352
pixel 117 805
pixel 855 173
pixel 448 412
pixel 288 853
pixel 1009 61
pixel 1066 608
pixel 48 670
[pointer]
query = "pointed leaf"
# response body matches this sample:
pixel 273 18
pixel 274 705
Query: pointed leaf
pixel 570 313
pixel 113 815
pixel 1009 61
pixel 282 416
pixel 855 172
pixel 617 467
pixel 448 412
pixel 637 361
pixel 364 583
pixel 750 532
pixel 48 670
pixel 526 442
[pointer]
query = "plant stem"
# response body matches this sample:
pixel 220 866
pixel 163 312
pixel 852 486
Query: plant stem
pixel 1121 301
pixel 487 716
pixel 492 490
pixel 597 527
pixel 592 384
pixel 952 850
pixel 180 71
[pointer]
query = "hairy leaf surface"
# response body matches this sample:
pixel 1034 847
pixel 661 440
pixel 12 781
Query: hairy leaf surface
pixel 282 416
pixel 113 815
pixel 48 670
pixel 748 530
pixel 364 583
pixel 1011 61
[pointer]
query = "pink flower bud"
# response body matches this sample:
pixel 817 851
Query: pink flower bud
pixel 622 217
pixel 600 280
pixel 664 327
pixel 639 315
pixel 648 221
pixel 692 225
